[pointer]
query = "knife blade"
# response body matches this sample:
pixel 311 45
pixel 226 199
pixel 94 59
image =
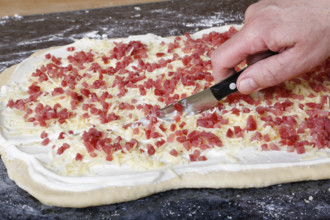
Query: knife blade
pixel 210 97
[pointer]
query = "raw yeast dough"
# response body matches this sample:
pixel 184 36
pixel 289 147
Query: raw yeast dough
pixel 68 135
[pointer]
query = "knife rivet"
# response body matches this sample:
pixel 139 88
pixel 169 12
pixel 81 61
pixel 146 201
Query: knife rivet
pixel 232 86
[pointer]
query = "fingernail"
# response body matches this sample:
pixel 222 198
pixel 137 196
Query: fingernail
pixel 248 85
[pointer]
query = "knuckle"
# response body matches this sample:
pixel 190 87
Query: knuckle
pixel 249 11
pixel 271 9
pixel 261 8
pixel 273 44
pixel 253 38
pixel 261 34
pixel 270 77
pixel 216 57
pixel 273 73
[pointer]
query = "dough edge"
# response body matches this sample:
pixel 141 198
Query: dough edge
pixel 254 178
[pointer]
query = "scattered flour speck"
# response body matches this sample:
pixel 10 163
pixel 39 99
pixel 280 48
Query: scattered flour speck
pixel 310 198
pixel 6 19
pixel 95 35
pixel 18 16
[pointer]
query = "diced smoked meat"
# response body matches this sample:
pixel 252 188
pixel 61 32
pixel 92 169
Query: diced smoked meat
pixel 251 123
pixel 63 148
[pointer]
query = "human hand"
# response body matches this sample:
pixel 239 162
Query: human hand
pixel 299 30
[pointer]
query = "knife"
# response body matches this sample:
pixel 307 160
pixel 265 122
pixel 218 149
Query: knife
pixel 210 97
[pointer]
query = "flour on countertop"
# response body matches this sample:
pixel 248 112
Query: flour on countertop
pixel 95 35
pixel 6 19
pixel 211 21
pixel 17 16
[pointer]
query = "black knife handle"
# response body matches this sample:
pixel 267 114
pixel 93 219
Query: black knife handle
pixel 228 86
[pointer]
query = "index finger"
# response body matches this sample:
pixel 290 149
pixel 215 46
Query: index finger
pixel 234 51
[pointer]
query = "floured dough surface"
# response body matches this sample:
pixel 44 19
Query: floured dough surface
pixel 79 145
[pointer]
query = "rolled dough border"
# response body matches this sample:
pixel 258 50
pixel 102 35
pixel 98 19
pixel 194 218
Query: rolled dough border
pixel 18 171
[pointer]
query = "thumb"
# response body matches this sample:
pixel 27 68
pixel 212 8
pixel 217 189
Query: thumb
pixel 271 71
